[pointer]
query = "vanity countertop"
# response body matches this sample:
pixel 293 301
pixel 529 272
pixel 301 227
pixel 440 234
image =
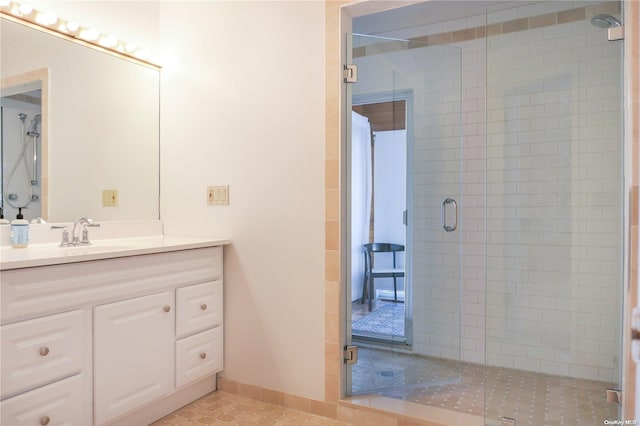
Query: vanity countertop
pixel 52 254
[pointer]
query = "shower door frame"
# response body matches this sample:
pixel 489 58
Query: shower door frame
pixel 344 17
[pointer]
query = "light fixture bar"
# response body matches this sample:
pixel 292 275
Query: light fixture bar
pixel 45 21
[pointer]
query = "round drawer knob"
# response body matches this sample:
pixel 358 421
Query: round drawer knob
pixel 167 308
pixel 44 352
pixel 44 421
pixel 203 306
pixel 203 355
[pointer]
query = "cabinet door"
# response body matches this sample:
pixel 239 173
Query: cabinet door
pixel 198 307
pixel 133 354
pixel 59 403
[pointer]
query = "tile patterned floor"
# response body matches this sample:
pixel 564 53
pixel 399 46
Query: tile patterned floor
pixel 222 408
pixel 533 399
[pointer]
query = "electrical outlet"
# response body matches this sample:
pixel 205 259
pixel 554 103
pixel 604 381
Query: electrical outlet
pixel 218 195
pixel 110 197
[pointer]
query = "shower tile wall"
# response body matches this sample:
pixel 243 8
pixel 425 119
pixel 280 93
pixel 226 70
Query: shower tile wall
pixel 552 162
pixel 554 200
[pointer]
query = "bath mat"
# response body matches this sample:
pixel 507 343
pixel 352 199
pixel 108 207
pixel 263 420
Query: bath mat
pixel 388 319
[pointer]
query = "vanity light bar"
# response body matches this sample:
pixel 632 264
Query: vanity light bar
pixel 50 23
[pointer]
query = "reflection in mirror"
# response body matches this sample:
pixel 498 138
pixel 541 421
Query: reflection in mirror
pixel 21 118
pixel 99 129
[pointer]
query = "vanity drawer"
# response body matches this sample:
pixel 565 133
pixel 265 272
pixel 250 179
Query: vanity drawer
pixel 41 350
pixel 198 307
pixel 198 356
pixel 59 403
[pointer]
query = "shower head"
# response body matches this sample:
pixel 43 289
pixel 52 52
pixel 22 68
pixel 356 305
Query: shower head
pixel 22 117
pixel 605 21
pixel 33 126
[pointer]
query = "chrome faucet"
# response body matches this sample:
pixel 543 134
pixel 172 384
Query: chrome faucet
pixel 65 235
pixel 81 226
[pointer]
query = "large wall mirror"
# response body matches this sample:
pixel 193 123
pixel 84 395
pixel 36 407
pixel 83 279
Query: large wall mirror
pixel 76 122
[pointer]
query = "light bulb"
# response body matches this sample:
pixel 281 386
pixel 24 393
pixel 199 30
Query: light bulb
pixel 46 18
pixel 73 26
pixel 108 41
pixel 90 34
pixel 25 9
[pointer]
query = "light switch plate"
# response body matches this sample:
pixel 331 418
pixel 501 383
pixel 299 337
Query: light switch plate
pixel 218 195
pixel 110 197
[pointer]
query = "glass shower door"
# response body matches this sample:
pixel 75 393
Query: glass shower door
pixel 424 82
pixel 554 214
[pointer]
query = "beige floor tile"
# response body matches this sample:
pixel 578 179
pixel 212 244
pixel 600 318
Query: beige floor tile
pixel 221 408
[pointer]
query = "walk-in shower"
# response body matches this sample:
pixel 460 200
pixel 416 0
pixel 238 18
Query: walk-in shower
pixel 20 151
pixel 517 116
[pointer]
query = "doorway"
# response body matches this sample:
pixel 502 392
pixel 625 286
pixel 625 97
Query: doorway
pixel 379 182
pixel 423 161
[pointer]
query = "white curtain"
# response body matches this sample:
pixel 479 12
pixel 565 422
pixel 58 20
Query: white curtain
pixel 361 188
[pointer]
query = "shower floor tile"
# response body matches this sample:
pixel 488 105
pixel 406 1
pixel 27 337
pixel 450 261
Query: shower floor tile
pixel 533 399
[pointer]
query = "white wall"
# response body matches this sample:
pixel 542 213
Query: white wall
pixel 390 198
pixel 243 104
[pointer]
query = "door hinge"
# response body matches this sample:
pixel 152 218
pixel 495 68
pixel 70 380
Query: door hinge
pixel 635 334
pixel 405 218
pixel 350 73
pixel 615 33
pixel 350 354
pixel 614 396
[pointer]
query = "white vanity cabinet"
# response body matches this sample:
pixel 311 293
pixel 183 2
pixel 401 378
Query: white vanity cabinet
pixel 132 342
pixel 116 341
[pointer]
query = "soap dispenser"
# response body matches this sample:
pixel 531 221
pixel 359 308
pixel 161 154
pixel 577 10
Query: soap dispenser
pixel 19 231
pixel 3 221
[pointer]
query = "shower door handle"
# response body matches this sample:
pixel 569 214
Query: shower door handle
pixel 445 225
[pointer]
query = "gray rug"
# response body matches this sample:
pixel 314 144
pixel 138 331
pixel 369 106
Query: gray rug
pixel 388 319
